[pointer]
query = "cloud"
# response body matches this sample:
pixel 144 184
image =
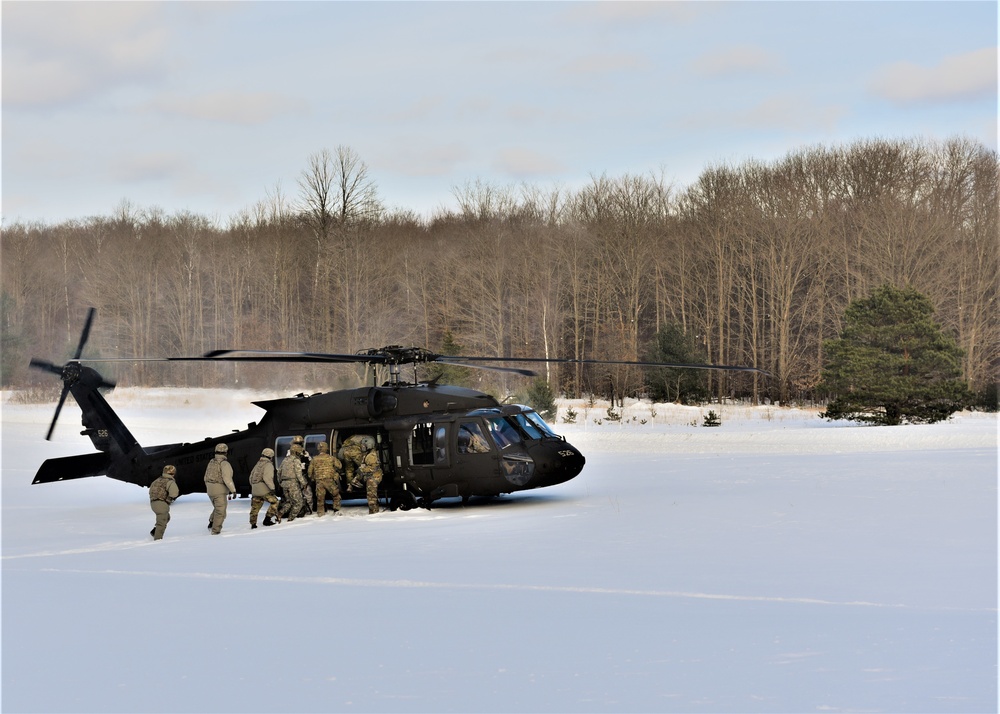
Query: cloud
pixel 740 60
pixel 526 113
pixel 233 107
pixel 594 64
pixel 156 166
pixel 420 109
pixel 635 13
pixel 775 113
pixel 60 52
pixel 413 156
pixel 972 75
pixel 525 162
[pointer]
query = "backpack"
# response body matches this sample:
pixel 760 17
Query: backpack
pixel 158 490
pixel 213 472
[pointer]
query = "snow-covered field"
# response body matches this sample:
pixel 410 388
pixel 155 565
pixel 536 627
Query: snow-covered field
pixel 778 563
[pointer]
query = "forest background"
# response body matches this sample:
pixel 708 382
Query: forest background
pixel 754 263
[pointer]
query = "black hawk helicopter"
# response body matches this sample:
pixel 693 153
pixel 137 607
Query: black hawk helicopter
pixel 433 440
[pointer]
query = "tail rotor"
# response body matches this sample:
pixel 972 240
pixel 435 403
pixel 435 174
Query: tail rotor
pixel 72 372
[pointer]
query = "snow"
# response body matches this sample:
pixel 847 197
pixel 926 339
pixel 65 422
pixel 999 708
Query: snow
pixel 778 563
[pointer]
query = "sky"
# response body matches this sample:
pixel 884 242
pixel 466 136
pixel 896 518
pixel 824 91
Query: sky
pixel 213 107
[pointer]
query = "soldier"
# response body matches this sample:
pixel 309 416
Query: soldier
pixel 303 455
pixel 471 440
pixel 352 453
pixel 324 470
pixel 371 471
pixel 292 480
pixel 262 488
pixel 219 485
pixel 162 492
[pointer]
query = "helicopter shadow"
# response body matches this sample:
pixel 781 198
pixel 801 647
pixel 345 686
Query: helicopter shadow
pixel 505 501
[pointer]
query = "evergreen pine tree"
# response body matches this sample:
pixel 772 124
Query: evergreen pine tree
pixel 446 373
pixel 541 398
pixel 684 386
pixel 892 363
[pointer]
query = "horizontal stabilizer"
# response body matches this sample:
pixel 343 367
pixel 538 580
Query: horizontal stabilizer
pixel 71 467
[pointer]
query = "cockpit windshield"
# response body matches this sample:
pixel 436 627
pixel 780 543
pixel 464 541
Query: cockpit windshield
pixel 503 432
pixel 537 424
pixel 528 426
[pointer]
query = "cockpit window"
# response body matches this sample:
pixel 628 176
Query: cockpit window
pixel 540 424
pixel 471 439
pixel 503 432
pixel 529 428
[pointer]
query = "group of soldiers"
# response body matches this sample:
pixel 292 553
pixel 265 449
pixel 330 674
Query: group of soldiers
pixel 301 477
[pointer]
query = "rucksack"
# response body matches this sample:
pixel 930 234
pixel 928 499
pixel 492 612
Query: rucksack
pixel 158 490
pixel 213 472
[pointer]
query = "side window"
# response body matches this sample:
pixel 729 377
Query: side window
pixel 421 445
pixel 283 444
pixel 471 439
pixel 441 445
pixel 312 443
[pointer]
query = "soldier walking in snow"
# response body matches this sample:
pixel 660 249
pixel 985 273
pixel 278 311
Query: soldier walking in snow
pixel 371 471
pixel 292 480
pixel 324 471
pixel 219 486
pixel 262 489
pixel 162 492
pixel 303 455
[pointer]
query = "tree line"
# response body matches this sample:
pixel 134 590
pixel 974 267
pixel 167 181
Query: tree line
pixel 753 263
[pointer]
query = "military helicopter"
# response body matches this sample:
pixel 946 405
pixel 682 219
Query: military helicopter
pixel 434 441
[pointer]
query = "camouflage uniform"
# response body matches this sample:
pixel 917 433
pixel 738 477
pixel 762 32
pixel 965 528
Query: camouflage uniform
pixel 262 489
pixel 371 472
pixel 291 479
pixel 307 490
pixel 219 485
pixel 162 492
pixel 352 453
pixel 324 470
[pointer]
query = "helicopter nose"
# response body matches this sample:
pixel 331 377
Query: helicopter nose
pixel 555 463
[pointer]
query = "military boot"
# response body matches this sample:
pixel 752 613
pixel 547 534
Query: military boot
pixel 252 526
pixel 267 521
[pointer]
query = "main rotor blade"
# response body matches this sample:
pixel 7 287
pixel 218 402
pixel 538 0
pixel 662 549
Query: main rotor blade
pixel 457 362
pixel 45 365
pixel 55 417
pixel 271 356
pixel 224 356
pixel 414 355
pixel 664 365
pixel 86 332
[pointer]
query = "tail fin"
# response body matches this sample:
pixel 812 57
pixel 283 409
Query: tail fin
pixel 105 428
pixel 101 424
